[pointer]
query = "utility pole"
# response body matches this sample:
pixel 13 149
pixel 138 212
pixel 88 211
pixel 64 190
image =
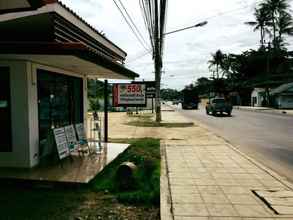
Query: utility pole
pixel 157 35
pixel 158 65
pixel 267 91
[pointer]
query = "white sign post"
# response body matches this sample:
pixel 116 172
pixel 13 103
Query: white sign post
pixel 129 95
pixel 61 143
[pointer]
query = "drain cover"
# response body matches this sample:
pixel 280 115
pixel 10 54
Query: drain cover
pixel 281 201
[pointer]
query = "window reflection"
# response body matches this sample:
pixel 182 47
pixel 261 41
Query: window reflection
pixel 60 101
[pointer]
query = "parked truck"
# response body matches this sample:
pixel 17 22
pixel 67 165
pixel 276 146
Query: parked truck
pixel 190 99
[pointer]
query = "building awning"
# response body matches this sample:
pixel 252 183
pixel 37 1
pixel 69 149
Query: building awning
pixel 75 57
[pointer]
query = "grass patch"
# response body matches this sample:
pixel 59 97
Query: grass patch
pixel 28 201
pixel 145 154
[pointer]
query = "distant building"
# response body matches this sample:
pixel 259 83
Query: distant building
pixel 283 96
pixel 257 97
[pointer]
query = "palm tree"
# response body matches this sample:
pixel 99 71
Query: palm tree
pixel 285 27
pixel 274 9
pixel 217 61
pixel 260 23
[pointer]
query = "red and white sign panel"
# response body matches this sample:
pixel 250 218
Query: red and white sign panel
pixel 129 95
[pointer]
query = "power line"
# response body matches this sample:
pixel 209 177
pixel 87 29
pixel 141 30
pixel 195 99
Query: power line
pixel 147 17
pixel 139 56
pixel 131 20
pixel 130 26
pixel 219 14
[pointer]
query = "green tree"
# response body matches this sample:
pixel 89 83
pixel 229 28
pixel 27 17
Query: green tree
pixel 95 88
pixel 277 10
pixel 216 62
pixel 170 94
pixel 285 27
pixel 261 23
pixel 203 85
pixel 94 104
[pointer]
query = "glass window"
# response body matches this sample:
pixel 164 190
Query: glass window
pixel 5 111
pixel 60 100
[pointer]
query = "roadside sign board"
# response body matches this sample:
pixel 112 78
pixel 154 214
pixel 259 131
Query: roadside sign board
pixel 61 143
pixel 150 88
pixel 129 95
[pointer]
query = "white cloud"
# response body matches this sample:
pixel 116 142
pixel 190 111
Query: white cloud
pixel 187 52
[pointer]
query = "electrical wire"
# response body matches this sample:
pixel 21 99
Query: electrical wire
pixel 132 22
pixel 130 26
pixel 139 57
pixel 219 14
pixel 147 16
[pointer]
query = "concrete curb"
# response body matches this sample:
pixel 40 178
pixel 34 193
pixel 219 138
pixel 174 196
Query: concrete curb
pixel 165 193
pixel 266 111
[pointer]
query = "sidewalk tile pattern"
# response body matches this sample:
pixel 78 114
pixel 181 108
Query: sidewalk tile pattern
pixel 216 182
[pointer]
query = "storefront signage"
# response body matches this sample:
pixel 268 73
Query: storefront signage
pixel 129 95
pixel 61 143
pixel 150 88
pixel 80 132
pixel 71 137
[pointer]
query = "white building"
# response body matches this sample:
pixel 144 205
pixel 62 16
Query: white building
pixel 257 97
pixel 46 54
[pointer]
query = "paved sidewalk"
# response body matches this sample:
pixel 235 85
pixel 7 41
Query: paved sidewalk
pixel 203 177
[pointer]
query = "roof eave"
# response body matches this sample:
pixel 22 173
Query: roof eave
pixel 74 49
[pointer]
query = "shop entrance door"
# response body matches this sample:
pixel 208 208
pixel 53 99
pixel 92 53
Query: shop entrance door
pixel 5 111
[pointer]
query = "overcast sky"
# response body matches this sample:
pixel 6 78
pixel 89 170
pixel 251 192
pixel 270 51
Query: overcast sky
pixel 186 53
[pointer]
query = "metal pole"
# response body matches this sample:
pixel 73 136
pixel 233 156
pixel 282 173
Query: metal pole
pixel 152 105
pixel 193 26
pixel 106 111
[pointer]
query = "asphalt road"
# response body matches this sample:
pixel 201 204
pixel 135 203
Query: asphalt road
pixel 268 138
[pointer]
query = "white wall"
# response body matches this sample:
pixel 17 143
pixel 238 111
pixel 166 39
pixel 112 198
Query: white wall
pixel 259 98
pixel 33 114
pixel 19 157
pixel 24 112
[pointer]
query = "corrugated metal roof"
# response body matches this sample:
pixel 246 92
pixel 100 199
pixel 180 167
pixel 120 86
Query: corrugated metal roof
pixel 85 22
pixel 29 5
pixel 282 88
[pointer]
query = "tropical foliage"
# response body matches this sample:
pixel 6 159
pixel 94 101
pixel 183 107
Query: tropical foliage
pixel 267 67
